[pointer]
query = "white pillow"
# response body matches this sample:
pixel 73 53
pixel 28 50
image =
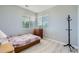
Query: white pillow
pixel 3 41
pixel 2 35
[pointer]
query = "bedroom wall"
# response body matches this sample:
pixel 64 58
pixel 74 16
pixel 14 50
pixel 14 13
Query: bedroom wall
pixel 78 26
pixel 57 23
pixel 11 19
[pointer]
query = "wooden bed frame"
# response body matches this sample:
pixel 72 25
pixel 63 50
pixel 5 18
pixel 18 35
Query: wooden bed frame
pixel 19 49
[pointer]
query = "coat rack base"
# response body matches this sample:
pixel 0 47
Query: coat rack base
pixel 70 47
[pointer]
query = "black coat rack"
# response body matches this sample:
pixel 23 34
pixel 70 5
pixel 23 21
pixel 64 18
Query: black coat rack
pixel 69 29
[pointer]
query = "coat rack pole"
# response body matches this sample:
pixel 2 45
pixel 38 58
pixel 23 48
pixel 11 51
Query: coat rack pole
pixel 69 29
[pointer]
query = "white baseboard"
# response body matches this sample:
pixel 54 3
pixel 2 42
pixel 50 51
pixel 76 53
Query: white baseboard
pixel 63 43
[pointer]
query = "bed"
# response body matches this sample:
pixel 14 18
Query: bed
pixel 23 41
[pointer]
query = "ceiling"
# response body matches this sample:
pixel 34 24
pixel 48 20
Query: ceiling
pixel 36 8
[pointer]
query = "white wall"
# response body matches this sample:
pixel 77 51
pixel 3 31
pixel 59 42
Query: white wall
pixel 58 23
pixel 78 26
pixel 11 19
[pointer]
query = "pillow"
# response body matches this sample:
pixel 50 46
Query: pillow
pixel 3 41
pixel 2 35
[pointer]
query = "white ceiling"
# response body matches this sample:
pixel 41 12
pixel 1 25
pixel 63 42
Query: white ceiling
pixel 36 8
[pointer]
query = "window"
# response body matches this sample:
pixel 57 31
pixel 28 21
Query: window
pixel 28 22
pixel 42 22
pixel 39 22
pixel 32 22
pixel 25 22
pixel 45 21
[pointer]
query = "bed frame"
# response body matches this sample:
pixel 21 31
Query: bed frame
pixel 19 49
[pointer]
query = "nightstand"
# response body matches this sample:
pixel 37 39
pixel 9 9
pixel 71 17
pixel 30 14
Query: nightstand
pixel 38 32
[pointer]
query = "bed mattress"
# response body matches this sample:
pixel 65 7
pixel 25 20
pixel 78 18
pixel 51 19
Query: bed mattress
pixel 22 40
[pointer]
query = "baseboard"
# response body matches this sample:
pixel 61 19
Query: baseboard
pixel 63 43
pixel 76 47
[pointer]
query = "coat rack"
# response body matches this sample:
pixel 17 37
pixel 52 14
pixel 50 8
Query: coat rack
pixel 69 29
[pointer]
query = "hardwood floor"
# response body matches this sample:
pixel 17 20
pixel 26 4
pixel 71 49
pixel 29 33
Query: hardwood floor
pixel 48 46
